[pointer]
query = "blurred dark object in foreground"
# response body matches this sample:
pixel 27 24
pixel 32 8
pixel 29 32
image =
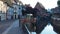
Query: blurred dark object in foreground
pixel 55 18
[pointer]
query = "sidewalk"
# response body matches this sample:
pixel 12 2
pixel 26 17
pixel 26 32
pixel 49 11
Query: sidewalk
pixel 5 24
pixel 15 29
pixel 7 20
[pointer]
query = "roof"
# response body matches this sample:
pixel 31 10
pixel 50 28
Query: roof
pixel 39 5
pixel 56 10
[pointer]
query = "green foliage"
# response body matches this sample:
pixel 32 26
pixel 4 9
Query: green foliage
pixel 58 2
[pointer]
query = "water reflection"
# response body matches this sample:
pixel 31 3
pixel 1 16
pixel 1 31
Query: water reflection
pixel 48 30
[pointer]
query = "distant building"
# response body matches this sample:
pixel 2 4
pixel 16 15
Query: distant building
pixel 39 6
pixel 41 9
pixel 10 13
pixel 55 10
pixel 15 11
pixel 3 9
pixel 2 16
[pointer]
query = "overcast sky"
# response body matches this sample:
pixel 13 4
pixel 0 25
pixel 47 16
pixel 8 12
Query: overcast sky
pixel 46 3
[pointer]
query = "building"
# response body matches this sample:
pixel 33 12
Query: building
pixel 7 12
pixel 2 11
pixel 55 18
pixel 10 13
pixel 17 10
pixel 41 9
pixel 2 16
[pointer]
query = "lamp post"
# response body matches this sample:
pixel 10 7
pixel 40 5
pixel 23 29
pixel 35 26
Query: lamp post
pixel 20 14
pixel 20 6
pixel 15 12
pixel 6 12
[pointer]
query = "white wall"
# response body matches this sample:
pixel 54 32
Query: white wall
pixel 18 10
pixel 10 13
pixel 3 16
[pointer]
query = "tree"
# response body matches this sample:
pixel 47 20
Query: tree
pixel 9 2
pixel 16 1
pixel 58 2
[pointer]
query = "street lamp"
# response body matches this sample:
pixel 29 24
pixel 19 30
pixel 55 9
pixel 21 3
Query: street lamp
pixel 20 13
pixel 15 12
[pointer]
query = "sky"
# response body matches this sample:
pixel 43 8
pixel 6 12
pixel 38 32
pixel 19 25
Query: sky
pixel 48 4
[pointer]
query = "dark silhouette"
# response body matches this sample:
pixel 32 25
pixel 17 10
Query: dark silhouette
pixel 55 18
pixel 0 18
pixel 41 15
pixel 58 3
pixel 29 10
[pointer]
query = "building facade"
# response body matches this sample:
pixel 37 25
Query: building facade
pixel 2 11
pixel 2 16
pixel 17 11
pixel 10 13
pixel 41 9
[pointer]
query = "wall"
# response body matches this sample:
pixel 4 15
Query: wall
pixel 3 16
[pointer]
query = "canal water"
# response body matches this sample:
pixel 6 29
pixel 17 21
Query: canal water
pixel 47 30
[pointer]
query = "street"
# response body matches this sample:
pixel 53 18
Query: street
pixel 5 24
pixel 15 29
